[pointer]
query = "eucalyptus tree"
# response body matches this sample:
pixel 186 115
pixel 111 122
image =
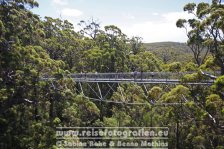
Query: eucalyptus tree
pixel 195 38
pixel 90 28
pixel 136 45
pixel 145 61
pixel 206 30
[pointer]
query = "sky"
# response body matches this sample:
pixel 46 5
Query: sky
pixel 153 20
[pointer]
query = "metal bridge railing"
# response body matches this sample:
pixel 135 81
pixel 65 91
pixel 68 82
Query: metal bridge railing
pixel 135 75
pixel 128 75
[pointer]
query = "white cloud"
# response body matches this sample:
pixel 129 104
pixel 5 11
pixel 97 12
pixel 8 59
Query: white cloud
pixel 71 12
pixel 60 2
pixel 155 13
pixel 128 16
pixel 163 29
pixel 174 16
pixel 74 22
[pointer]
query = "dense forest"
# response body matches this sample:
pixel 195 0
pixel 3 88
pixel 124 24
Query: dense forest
pixel 31 48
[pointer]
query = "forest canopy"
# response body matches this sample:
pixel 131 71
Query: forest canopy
pixel 32 48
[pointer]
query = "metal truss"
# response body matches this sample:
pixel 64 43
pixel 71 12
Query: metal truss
pixel 139 78
pixel 93 91
pixel 101 86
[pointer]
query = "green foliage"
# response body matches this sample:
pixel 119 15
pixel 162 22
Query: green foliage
pixel 213 103
pixel 205 32
pixel 131 93
pixel 155 93
pixel 110 122
pixel 190 67
pixel 32 49
pixel 194 77
pixel 219 85
pixel 198 142
pixel 180 23
pixel 209 64
pixel 190 7
pixel 170 52
pixel 145 61
pixel 172 67
pixel 176 94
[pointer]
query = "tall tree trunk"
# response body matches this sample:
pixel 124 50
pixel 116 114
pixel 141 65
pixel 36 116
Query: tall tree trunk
pixel 51 111
pixel 222 70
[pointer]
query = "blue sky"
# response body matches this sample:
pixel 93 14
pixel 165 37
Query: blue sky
pixel 153 20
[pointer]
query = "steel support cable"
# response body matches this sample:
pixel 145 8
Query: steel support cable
pixel 93 91
pixel 111 88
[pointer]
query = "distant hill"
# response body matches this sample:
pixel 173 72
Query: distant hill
pixel 170 51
